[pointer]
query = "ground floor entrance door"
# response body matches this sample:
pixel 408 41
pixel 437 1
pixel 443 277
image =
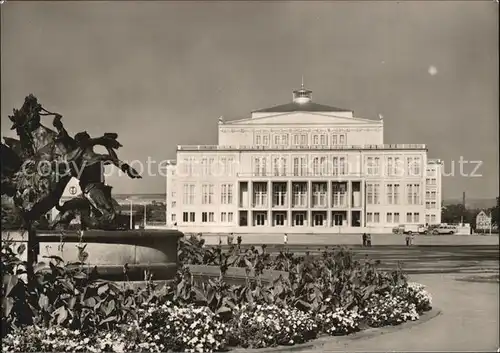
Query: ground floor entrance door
pixel 319 219
pixel 338 219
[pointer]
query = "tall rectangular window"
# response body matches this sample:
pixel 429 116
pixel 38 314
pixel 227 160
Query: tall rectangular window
pixel 396 194
pixel 222 166
pixel 373 194
pixel 376 194
pixel 296 166
pixel 185 194
pixel 279 166
pixel 414 165
pixel 372 166
pixel 230 166
pixel 299 194
pixel 260 168
pixel 369 194
pixel 396 217
pixel 226 194
pixel 279 194
pixel 204 166
pixel 323 162
pixel 260 194
pixel 210 194
pixel 230 194
pixel 339 195
pixel 188 195
pixel 409 194
pixel 205 194
pixel 319 194
pixel 389 166
pixel 299 166
pixel 389 191
pixel 316 166
pixel 339 166
pixel 413 194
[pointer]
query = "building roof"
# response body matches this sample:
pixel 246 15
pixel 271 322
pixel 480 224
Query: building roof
pixel 301 107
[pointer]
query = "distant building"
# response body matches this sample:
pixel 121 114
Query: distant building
pixel 302 167
pixel 483 221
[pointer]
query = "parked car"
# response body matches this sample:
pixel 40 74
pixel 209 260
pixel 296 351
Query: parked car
pixel 422 229
pixel 444 229
pixel 409 229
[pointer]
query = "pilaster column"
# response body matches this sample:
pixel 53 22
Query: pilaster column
pixel 269 203
pixel 249 205
pixel 309 203
pixel 329 204
pixel 363 203
pixel 289 194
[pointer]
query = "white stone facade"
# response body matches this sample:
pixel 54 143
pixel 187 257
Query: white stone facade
pixel 302 168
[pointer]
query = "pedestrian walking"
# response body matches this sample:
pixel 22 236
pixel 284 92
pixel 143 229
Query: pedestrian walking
pixel 230 238
pixel 369 240
pixel 412 238
pixel 285 239
pixel 364 239
pixel 407 239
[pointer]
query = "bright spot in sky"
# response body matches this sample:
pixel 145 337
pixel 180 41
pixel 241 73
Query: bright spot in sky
pixel 432 70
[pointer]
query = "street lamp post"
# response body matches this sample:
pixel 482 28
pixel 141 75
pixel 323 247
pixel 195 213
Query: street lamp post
pixel 131 219
pixel 145 205
pixel 490 222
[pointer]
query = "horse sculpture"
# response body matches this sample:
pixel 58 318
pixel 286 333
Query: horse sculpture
pixel 37 168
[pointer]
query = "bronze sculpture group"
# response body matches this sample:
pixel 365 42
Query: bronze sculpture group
pixel 37 167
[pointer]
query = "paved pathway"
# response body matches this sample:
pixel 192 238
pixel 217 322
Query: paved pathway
pixel 353 239
pixel 469 322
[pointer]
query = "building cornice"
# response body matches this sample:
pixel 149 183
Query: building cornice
pixel 420 147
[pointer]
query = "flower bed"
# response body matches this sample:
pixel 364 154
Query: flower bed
pixel 68 310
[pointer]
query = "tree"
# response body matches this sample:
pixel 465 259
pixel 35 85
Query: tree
pixel 456 213
pixel 495 212
pixel 453 213
pixel 11 218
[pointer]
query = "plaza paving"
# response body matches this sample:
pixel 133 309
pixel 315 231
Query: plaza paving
pixel 468 322
pixel 355 239
pixel 430 254
pixel 469 319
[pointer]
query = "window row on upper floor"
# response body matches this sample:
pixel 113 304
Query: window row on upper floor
pixel 299 139
pixel 283 164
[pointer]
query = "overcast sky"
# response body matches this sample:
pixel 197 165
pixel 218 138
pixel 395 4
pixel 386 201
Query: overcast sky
pixel 161 73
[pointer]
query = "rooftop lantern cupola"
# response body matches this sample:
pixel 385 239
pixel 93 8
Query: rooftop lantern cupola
pixel 302 95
